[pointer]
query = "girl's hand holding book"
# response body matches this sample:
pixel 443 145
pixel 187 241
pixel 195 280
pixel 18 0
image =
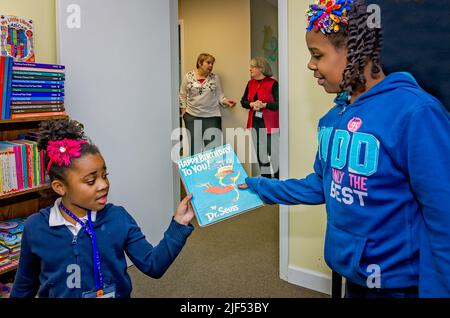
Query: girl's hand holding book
pixel 184 212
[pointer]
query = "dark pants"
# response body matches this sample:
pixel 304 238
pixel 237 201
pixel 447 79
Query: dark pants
pixel 197 126
pixel 264 151
pixel 356 291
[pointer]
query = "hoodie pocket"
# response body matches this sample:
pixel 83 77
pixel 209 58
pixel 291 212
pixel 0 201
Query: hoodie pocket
pixel 343 251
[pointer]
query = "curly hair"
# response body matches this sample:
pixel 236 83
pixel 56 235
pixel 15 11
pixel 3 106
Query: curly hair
pixel 59 130
pixel 364 44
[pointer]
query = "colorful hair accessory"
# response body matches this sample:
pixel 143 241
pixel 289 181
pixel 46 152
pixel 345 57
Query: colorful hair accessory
pixel 327 15
pixel 62 151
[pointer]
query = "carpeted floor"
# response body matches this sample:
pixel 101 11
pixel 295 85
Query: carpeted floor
pixel 234 258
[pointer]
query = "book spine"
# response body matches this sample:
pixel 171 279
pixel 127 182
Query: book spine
pixel 18 107
pixel 37 173
pixel 37 86
pixel 38 78
pixel 30 165
pixel 7 168
pixel 42 165
pixel 45 114
pixel 37 110
pixel 2 82
pixel 19 81
pixel 37 102
pixel 8 94
pixel 18 156
pixel 30 69
pixel 37 90
pixel 37 98
pixel 24 166
pixel 37 73
pixel 36 94
pixel 1 174
pixel 5 88
pixel 12 171
pixel 39 65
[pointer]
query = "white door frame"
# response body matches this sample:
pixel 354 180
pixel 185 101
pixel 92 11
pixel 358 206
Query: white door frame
pixel 284 131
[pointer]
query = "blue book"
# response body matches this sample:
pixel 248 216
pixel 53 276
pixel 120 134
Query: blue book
pixel 213 177
pixel 37 86
pixel 36 94
pixel 8 88
pixel 36 98
pixel 39 65
pixel 17 81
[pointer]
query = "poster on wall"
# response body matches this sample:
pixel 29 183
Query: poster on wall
pixel 16 38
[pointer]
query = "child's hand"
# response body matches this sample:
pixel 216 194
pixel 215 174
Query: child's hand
pixel 184 213
pixel 243 186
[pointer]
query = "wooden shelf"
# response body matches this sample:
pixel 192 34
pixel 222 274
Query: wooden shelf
pixel 11 267
pixel 32 119
pixel 22 192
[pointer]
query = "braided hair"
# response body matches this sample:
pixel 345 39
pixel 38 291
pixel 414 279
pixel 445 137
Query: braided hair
pixel 364 45
pixel 58 130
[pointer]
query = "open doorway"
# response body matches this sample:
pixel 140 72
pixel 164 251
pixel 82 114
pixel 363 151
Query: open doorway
pixel 204 27
pixel 234 31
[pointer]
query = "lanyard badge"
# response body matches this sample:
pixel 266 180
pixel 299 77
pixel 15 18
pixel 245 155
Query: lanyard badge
pixel 89 228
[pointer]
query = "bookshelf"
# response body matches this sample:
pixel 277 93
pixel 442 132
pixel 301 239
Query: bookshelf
pixel 25 202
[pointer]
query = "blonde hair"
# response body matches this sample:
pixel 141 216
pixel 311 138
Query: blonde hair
pixel 203 57
pixel 263 65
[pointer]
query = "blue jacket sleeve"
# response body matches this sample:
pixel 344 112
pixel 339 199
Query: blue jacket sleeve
pixel 428 154
pixel 308 190
pixel 26 283
pixel 155 260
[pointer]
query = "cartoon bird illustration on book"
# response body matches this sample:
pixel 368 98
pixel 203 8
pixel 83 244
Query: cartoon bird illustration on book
pixel 221 174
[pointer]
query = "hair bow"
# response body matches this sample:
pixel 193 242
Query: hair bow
pixel 327 15
pixel 62 151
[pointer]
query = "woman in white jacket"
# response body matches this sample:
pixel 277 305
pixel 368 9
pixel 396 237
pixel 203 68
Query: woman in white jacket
pixel 200 97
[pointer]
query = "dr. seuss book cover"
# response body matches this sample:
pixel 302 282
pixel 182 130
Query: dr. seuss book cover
pixel 213 177
pixel 16 38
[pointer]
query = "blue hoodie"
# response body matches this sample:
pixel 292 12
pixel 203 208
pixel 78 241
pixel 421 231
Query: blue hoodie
pixel 382 169
pixel 50 255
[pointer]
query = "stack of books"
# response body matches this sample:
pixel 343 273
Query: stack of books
pixel 31 89
pixel 10 242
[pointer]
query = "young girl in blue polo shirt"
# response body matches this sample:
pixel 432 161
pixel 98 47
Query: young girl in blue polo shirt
pixel 382 165
pixel 76 248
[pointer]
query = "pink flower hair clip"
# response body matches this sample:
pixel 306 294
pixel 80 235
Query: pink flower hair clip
pixel 62 151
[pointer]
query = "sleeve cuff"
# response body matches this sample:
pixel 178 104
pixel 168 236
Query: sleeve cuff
pixel 253 183
pixel 179 231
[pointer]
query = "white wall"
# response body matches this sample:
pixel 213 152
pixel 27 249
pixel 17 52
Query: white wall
pixel 122 84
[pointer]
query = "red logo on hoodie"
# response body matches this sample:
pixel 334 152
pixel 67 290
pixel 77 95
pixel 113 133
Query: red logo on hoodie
pixel 354 124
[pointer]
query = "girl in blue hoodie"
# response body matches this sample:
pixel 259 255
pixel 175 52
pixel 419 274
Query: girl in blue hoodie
pixel 76 248
pixel 382 165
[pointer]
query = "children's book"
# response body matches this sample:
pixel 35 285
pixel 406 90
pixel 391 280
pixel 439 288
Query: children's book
pixel 16 38
pixel 213 177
